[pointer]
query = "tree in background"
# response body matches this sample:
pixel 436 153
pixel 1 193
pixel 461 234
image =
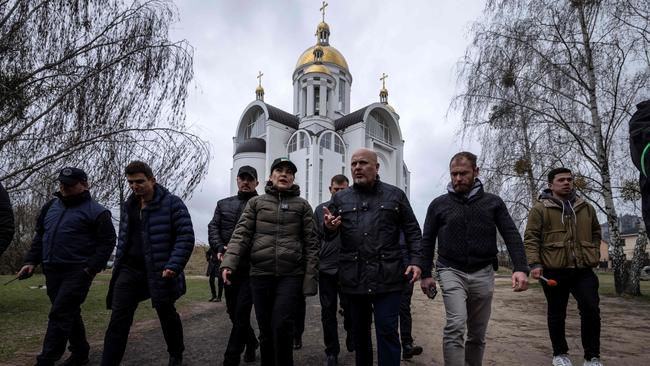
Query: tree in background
pixel 93 84
pixel 566 75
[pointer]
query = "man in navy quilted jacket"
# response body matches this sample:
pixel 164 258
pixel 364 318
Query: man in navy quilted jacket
pixel 155 242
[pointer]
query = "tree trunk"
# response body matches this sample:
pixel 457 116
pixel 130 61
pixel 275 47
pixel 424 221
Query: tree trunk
pixel 633 285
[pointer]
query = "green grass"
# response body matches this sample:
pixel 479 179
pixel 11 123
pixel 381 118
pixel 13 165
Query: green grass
pixel 24 311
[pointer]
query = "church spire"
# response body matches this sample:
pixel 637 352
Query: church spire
pixel 259 91
pixel 383 93
pixel 323 29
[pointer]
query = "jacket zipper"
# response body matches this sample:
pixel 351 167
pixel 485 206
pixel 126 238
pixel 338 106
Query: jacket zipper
pixel 277 233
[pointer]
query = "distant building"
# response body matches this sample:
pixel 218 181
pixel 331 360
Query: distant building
pixel 628 226
pixel 321 133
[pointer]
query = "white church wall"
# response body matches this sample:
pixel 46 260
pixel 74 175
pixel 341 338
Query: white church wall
pixel 276 142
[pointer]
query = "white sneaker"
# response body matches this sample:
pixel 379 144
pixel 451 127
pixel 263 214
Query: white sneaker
pixel 562 360
pixel 593 362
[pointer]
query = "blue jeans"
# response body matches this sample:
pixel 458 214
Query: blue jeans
pixel 385 308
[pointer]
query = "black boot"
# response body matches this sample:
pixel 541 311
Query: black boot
pixel 175 361
pixel 409 350
pixel 332 360
pixel 74 360
pixel 349 343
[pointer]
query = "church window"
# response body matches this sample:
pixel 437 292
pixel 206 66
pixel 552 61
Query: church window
pixel 255 126
pixel 316 100
pixel 338 146
pixel 379 129
pixel 325 142
pixel 307 179
pixel 304 140
pixel 320 180
pixel 341 95
pixel 293 144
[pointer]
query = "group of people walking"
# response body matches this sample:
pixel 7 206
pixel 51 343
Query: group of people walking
pixel 363 248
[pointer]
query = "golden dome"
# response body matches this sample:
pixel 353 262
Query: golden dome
pixel 318 68
pixel 330 54
pixel 259 89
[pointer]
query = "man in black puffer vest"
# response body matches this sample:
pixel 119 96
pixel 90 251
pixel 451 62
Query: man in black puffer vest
pixel 155 242
pixel 369 218
pixel 239 299
pixel 465 223
pixel 74 239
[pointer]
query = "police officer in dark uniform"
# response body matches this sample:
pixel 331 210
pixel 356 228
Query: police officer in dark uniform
pixel 74 239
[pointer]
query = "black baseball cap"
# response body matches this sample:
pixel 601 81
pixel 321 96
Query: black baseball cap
pixel 283 160
pixel 71 176
pixel 247 169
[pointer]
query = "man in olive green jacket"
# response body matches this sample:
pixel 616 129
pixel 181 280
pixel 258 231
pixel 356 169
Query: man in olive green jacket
pixel 562 241
pixel 276 232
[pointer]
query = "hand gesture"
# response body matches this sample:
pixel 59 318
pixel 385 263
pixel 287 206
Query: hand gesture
pixel 168 273
pixel 225 274
pixel 331 222
pixel 416 272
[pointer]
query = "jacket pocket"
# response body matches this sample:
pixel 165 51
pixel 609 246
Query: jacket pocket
pixel 391 267
pixel 554 255
pixel 590 254
pixel 349 269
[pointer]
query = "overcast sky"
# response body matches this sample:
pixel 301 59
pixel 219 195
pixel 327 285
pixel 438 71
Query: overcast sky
pixel 417 43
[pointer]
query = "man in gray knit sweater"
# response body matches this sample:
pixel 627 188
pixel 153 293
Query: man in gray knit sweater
pixel 465 223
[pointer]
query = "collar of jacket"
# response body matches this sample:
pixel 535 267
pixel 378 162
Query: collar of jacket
pixel 158 194
pixel 376 186
pixel 476 191
pixel 294 190
pixel 246 195
pixel 547 198
pixel 77 199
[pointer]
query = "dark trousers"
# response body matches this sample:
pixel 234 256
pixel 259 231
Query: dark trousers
pixel 328 291
pixel 275 299
pixel 385 308
pixel 583 285
pixel 299 320
pixel 405 321
pixel 130 288
pixel 239 303
pixel 214 276
pixel 67 287
pixel 644 184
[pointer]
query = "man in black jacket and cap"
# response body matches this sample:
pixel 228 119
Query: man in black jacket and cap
pixel 6 220
pixel 328 279
pixel 369 218
pixel 239 299
pixel 74 239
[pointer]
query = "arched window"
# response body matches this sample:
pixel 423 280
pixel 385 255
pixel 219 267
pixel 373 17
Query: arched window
pixel 300 140
pixel 293 144
pixel 378 128
pixel 255 125
pixel 325 142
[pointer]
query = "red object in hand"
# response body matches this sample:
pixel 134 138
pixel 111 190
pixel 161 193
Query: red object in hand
pixel 551 283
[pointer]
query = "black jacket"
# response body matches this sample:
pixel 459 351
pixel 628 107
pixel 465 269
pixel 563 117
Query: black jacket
pixel 466 230
pixel 226 215
pixel 6 220
pixel 73 230
pixel 167 243
pixel 328 253
pixel 370 259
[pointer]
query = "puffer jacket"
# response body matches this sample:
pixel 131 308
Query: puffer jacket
pixel 558 236
pixel 167 243
pixel 370 258
pixel 226 215
pixel 276 231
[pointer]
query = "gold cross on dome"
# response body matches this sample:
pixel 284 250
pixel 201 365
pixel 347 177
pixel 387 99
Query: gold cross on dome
pixel 259 77
pixel 322 9
pixel 383 80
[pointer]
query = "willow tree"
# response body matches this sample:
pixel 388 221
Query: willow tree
pixel 575 70
pixel 94 83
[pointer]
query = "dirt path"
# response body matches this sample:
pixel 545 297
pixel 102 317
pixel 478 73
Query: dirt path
pixel 517 333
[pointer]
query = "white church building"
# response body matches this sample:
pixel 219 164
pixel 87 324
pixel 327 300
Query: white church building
pixel 321 133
